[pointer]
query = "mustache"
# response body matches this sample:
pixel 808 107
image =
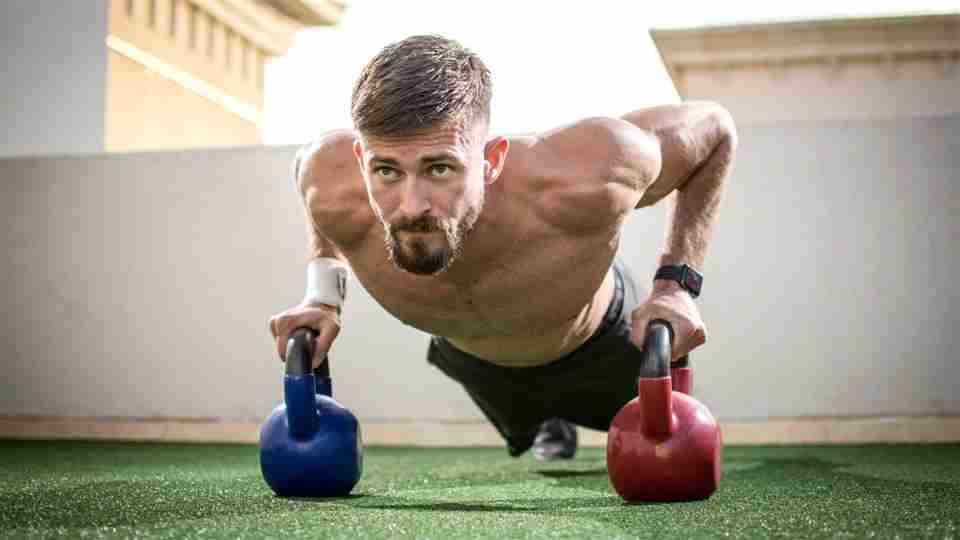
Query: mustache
pixel 418 224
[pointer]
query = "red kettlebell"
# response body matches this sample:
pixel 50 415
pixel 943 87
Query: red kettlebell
pixel 664 445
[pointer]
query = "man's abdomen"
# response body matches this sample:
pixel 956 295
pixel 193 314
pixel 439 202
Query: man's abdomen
pixel 532 345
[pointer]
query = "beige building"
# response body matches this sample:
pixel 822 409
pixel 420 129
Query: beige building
pixel 817 70
pixel 189 73
pixel 84 77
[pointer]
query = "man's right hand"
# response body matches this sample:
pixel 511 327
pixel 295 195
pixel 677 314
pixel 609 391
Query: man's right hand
pixel 322 318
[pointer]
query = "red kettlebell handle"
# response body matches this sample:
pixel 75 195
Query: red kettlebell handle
pixel 657 345
pixel 681 375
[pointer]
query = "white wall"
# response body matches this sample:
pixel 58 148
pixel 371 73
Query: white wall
pixel 53 72
pixel 140 285
pixel 817 92
pixel 837 256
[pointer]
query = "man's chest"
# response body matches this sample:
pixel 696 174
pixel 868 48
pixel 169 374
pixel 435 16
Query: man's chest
pixel 531 287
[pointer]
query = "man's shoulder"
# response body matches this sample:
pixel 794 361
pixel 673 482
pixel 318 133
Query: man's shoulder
pixel 610 146
pixel 328 178
pixel 325 160
pixel 585 174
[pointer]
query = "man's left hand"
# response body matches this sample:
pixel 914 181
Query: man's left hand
pixel 673 304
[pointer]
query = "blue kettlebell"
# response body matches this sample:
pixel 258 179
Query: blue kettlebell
pixel 310 445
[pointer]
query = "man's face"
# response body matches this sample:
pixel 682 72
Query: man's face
pixel 427 190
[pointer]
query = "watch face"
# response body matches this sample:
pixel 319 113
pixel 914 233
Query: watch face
pixel 692 281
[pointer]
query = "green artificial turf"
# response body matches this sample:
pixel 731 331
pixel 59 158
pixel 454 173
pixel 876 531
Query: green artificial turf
pixel 90 490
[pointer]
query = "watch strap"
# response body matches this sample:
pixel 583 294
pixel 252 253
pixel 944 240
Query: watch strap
pixel 689 279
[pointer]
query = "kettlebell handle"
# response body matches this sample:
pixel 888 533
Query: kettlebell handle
pixel 657 351
pixel 300 354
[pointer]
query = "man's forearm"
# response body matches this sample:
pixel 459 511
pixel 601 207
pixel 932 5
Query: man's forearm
pixel 692 213
pixel 318 245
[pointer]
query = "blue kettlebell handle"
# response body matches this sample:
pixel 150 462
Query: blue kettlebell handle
pixel 300 358
pixel 300 354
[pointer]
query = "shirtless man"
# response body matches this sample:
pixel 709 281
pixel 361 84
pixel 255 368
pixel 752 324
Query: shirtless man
pixel 504 249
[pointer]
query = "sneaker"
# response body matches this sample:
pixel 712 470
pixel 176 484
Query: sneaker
pixel 556 439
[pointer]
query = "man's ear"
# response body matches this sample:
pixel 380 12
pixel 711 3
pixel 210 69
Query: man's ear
pixel 494 157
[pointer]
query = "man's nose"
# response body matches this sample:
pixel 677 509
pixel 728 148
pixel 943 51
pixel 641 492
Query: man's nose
pixel 416 198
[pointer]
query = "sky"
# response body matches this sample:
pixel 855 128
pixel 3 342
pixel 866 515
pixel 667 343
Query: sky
pixel 553 62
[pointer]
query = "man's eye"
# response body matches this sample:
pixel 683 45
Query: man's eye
pixel 439 169
pixel 386 172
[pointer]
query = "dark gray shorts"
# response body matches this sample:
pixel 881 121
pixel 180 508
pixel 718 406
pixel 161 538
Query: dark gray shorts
pixel 586 387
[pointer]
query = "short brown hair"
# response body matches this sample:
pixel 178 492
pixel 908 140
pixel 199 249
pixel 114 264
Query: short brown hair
pixel 419 83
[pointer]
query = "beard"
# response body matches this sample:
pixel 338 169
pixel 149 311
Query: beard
pixel 417 256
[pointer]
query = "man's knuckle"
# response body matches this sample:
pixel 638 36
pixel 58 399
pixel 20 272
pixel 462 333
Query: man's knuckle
pixel 699 335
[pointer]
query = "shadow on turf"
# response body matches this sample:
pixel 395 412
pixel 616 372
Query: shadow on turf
pixel 445 507
pixel 546 504
pixel 597 479
pixel 344 498
pixel 561 473
pixel 596 476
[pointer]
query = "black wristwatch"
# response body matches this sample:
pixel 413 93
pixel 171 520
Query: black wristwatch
pixel 689 279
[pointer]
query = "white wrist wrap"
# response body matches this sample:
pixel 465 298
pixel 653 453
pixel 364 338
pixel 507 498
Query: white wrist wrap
pixel 326 282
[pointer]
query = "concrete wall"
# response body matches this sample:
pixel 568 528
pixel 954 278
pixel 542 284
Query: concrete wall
pixel 140 285
pixel 817 92
pixel 53 71
pixel 837 255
